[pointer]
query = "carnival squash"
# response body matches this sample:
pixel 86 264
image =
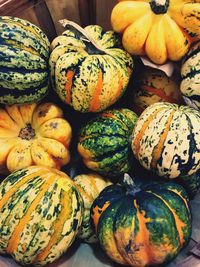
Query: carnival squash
pixel 24 55
pixel 33 134
pixel 40 213
pixel 160 29
pixel 104 142
pixel 88 69
pixel 190 71
pixel 89 186
pixel 142 228
pixel 166 139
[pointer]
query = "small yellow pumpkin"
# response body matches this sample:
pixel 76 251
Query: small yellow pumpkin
pixel 160 29
pixel 35 134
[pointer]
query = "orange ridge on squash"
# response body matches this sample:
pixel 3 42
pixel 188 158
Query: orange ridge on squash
pixel 97 212
pixel 95 103
pixel 159 92
pixel 68 85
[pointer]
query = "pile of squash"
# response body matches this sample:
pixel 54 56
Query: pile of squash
pixel 94 144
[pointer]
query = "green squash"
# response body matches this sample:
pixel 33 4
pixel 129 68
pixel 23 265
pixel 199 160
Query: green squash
pixel 24 55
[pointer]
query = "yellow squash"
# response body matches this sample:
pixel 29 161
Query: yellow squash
pixel 33 134
pixel 160 29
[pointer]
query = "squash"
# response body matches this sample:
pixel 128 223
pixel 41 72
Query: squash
pixel 142 227
pixel 160 29
pixel 24 55
pixel 166 140
pixel 89 71
pixel 40 214
pixel 104 142
pixel 89 186
pixel 33 134
pixel 190 72
pixel 153 86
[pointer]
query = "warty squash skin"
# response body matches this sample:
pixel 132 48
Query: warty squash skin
pixel 33 134
pixel 24 55
pixel 190 72
pixel 142 228
pixel 89 71
pixel 160 29
pixel 89 186
pixel 40 214
pixel 166 140
pixel 104 142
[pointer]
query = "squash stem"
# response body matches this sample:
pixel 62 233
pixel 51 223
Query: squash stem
pixel 91 46
pixel 131 187
pixel 159 6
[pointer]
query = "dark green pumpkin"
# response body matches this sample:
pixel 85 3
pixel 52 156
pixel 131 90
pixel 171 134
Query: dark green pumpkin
pixel 142 228
pixel 104 142
pixel 24 53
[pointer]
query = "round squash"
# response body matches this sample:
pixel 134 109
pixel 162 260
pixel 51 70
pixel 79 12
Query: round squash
pixel 104 142
pixel 88 69
pixel 24 75
pixel 40 213
pixel 142 227
pixel 34 134
pixel 89 186
pixel 166 140
pixel 160 29
pixel 190 73
pixel 154 86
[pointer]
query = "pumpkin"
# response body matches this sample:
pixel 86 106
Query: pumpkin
pixel 33 134
pixel 166 139
pixel 40 213
pixel 190 77
pixel 89 186
pixel 104 142
pixel 89 71
pixel 154 86
pixel 142 227
pixel 24 55
pixel 160 29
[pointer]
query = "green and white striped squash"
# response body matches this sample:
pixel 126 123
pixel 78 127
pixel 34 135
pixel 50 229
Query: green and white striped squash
pixel 89 186
pixel 24 54
pixel 190 71
pixel 40 214
pixel 88 69
pixel 166 139
pixel 104 142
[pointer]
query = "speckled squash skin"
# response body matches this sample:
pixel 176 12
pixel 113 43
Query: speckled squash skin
pixel 160 29
pixel 40 213
pixel 89 186
pixel 190 72
pixel 33 134
pixel 142 228
pixel 104 142
pixel 89 76
pixel 166 140
pixel 24 55
pixel 153 86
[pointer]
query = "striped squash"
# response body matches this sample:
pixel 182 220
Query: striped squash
pixel 24 54
pixel 166 139
pixel 33 134
pixel 104 142
pixel 40 213
pixel 142 227
pixel 153 86
pixel 89 71
pixel 89 186
pixel 190 71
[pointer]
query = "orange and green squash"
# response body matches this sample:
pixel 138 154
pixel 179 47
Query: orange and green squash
pixel 89 186
pixel 89 70
pixel 166 140
pixel 104 142
pixel 33 134
pixel 142 228
pixel 160 29
pixel 40 214
pixel 24 55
